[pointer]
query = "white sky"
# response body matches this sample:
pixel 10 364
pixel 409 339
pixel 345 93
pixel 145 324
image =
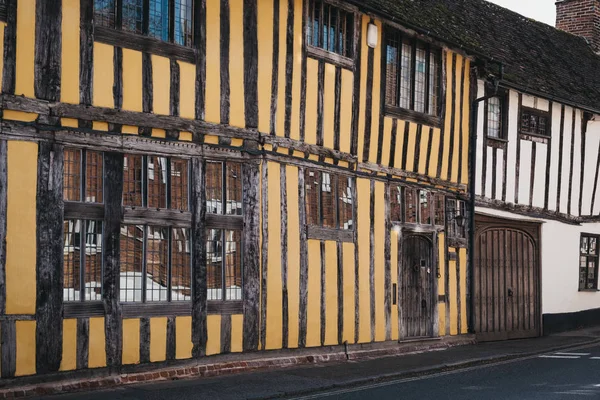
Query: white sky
pixel 540 10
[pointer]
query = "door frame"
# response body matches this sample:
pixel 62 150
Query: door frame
pixel 431 235
pixel 531 227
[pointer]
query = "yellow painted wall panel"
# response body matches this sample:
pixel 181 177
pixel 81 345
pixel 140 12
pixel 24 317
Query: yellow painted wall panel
pixel 183 338
pixel 465 121
pixel 328 105
pixel 2 26
pixel 158 339
pixel 375 110
pixel 453 303
pixel 387 140
pixel 25 352
pixel 237 116
pixel 187 90
pixel 442 318
pixel 161 84
pixel 313 317
pixel 69 81
pixel 410 154
pixel 293 255
pixel 399 143
pixel 213 62
pixel 185 136
pixel 435 151
pixel 237 333
pixel 274 294
pixel 442 263
pixel 158 133
pixel 69 122
pixel 394 273
pixel 446 139
pixel 265 64
pixel 457 106
pixel 425 137
pixel 312 76
pixel 380 293
pixel 462 258
pixel 213 344
pixel 363 87
pixel 25 48
pixel 131 341
pixel 103 75
pixel 132 80
pixel 331 293
pixel 100 126
pixel 280 122
pixel 364 256
pixel 346 110
pixel 21 227
pixel 209 139
pixel 19 116
pixel 128 129
pixel 349 288
pixel 69 345
pixel 97 344
pixel 296 95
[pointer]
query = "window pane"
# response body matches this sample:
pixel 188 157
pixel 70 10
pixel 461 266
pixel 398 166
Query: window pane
pixel 179 184
pixel 233 265
pixel 438 205
pixel 92 276
pixel 157 182
pixel 214 264
pixel 330 28
pixel 533 123
pixel 72 175
pixel 94 176
pixel 132 247
pixel 328 184
pixel 312 197
pixel 424 207
pixel 157 264
pixel 234 189
pixel 345 202
pixel 391 85
pixel 410 206
pixel 71 260
pixel 396 202
pixel 214 187
pixel 183 22
pixel 493 117
pixel 104 13
pixel 181 267
pixel 132 180
pixel 132 15
pixel 406 74
pixel 158 24
pixel 420 73
pixel 434 84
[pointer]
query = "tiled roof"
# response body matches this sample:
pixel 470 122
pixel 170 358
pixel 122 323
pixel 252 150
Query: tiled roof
pixel 536 57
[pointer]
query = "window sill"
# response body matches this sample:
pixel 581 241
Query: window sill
pixel 413 116
pixel 338 235
pixel 533 137
pixel 179 308
pixel 328 56
pixel 146 44
pixel 77 309
pixel 589 290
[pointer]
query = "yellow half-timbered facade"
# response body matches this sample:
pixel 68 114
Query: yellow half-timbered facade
pixel 186 178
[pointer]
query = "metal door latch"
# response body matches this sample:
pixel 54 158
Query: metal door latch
pixel 510 292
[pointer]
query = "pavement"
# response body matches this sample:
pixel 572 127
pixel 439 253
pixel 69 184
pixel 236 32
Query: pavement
pixel 319 379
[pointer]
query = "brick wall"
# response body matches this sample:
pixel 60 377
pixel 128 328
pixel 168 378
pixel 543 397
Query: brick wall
pixel 580 17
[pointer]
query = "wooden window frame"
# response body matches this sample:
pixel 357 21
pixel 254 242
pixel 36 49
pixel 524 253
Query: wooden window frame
pixel 502 95
pixel 326 55
pixel 535 137
pixel 144 43
pixel 588 256
pixel 410 114
pixel 432 207
pixel 336 233
pixel 3 11
pixel 452 227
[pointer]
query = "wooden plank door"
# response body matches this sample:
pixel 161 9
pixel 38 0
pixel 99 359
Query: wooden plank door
pixel 506 298
pixel 417 287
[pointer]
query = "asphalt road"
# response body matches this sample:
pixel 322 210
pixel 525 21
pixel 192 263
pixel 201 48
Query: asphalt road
pixel 566 375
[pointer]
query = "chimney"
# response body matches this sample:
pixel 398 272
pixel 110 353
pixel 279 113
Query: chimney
pixel 581 18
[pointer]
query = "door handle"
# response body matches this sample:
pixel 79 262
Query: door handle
pixel 510 292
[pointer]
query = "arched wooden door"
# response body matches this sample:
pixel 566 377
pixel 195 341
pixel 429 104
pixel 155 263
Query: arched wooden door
pixel 507 281
pixel 417 289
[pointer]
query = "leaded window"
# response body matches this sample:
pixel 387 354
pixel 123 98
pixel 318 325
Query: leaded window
pixel 534 122
pixel 588 262
pixel 166 20
pixel 412 74
pixel 416 206
pixel 494 117
pixel 330 28
pixel 456 217
pixel 329 200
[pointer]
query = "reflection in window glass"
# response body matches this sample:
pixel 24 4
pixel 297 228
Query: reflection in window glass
pixel 158 24
pixel 72 175
pixel 311 182
pixel 104 13
pixel 493 117
pixel 424 207
pixel 345 202
pixel 410 207
pixel 181 270
pixel 132 16
pixel 234 189
pixel 214 262
pixel 328 204
pixel 132 180
pixel 157 182
pixel 396 202
pixel 183 22
pixel 179 184
pixel 132 250
pixel 157 266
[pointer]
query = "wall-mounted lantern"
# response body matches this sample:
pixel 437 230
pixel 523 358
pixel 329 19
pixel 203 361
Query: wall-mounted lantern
pixel 372 35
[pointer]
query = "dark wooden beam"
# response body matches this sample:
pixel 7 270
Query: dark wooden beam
pixel 118 78
pixel 264 270
pixel 372 258
pixel 224 46
pixel 302 323
pixel 8 348
pixel 199 289
pixel 387 299
pixel 284 256
pixel 48 49
pixel 289 67
pixel 144 340
pixel 200 44
pixel 357 76
pixel 49 257
pixel 3 216
pixel 225 334
pixel 171 338
pixel 251 63
pixel 10 48
pixel 83 342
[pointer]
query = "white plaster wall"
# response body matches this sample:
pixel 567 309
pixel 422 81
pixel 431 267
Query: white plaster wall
pixel 554 150
pixel 479 152
pixel 539 184
pixel 592 141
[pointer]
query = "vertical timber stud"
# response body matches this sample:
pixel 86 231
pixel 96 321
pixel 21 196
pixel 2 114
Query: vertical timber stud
pixel 302 118
pixel 225 333
pixel 174 97
pixel 340 292
pixel 118 78
pixel 199 294
pixel 147 90
pixel 275 63
pixel 323 301
pixel 86 59
pixel 320 100
pixel 264 212
pixel 113 214
pixel 48 49
pixel 251 63
pixel 372 258
pixel 356 266
pixel 356 90
pixel 3 208
pixel 171 338
pixel 144 340
pixel 369 103
pixel 83 342
pixel 225 91
pixel 387 303
pixel 49 258
pixel 303 260
pixel 10 50
pixel 289 67
pixel 251 256
pixel 200 44
pixel 284 257
pixel 8 338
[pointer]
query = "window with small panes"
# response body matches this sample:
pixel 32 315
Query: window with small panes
pixel 588 262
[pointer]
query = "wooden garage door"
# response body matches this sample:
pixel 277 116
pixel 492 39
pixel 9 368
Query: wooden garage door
pixel 506 297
